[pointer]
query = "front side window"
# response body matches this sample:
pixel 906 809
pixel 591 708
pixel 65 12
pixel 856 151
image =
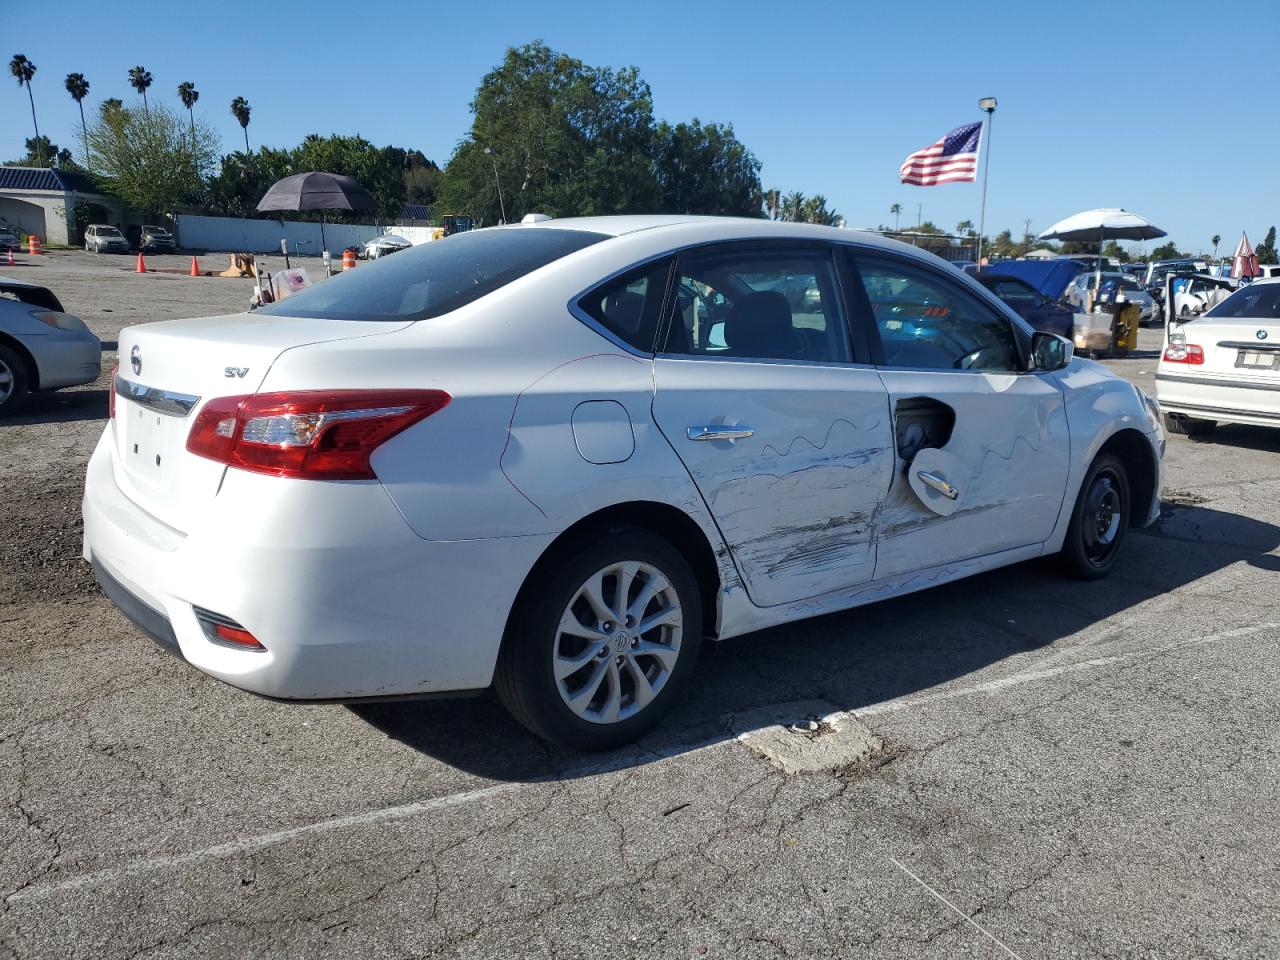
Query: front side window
pixel 434 278
pixel 757 304
pixel 927 323
pixel 630 306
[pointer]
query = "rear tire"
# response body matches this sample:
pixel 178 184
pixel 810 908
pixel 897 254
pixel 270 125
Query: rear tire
pixel 1189 426
pixel 15 381
pixel 605 680
pixel 1099 520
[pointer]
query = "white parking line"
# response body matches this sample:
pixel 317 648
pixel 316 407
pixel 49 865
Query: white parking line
pixel 968 919
pixel 404 811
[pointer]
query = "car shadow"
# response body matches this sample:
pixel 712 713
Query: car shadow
pixel 1243 436
pixel 859 657
pixel 67 406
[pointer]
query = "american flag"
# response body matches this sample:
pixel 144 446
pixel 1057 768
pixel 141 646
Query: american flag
pixel 953 159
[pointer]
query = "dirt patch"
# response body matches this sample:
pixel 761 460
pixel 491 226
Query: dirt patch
pixel 1172 500
pixel 40 548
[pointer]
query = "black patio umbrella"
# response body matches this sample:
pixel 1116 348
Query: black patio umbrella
pixel 317 191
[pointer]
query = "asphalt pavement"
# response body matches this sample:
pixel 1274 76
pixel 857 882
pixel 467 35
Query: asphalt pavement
pixel 1023 765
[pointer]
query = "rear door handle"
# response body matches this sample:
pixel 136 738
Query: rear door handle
pixel 719 432
pixel 935 481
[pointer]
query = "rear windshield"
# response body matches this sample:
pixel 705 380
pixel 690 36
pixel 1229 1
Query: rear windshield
pixel 434 278
pixel 1257 301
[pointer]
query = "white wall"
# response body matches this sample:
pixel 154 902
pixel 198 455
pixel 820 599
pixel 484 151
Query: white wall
pixel 263 236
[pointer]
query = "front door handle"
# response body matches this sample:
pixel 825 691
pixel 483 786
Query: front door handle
pixel 719 432
pixel 935 481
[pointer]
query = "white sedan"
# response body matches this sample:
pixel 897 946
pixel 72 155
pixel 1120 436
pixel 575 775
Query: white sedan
pixel 555 457
pixel 1225 365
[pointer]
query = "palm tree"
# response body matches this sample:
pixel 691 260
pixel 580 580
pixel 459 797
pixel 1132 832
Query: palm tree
pixel 140 79
pixel 110 105
pixel 772 198
pixel 964 228
pixel 240 109
pixel 188 93
pixel 23 70
pixel 78 87
pixel 896 210
pixel 1216 240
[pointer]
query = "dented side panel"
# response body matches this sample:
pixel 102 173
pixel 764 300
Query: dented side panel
pixel 797 500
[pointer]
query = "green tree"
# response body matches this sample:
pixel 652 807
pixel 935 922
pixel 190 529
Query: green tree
pixel 110 104
pixel 188 94
pixel 378 170
pixel 896 210
pixel 1166 251
pixel 243 178
pixel 1266 250
pixel 965 228
pixel 1113 249
pixel 705 170
pixel 566 138
pixel 1215 241
pixel 41 151
pixel 772 203
pixel 23 71
pixel 148 159
pixel 78 87
pixel 140 80
pixel 241 110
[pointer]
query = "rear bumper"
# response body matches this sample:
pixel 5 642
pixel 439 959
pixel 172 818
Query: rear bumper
pixel 1231 401
pixel 348 601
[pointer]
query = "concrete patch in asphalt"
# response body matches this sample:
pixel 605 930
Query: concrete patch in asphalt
pixel 807 736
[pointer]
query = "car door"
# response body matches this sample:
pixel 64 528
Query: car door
pixel 981 444
pixel 784 428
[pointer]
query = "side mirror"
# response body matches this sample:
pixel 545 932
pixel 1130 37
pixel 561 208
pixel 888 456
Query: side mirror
pixel 1050 351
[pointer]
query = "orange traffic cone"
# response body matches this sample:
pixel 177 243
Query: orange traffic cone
pixel 142 264
pixel 348 259
pixel 195 268
pixel 33 245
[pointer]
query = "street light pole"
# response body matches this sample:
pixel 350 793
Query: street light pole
pixel 497 183
pixel 988 104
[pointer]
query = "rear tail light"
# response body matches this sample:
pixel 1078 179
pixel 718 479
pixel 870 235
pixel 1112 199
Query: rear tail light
pixel 1179 351
pixel 315 435
pixel 111 393
pixel 226 632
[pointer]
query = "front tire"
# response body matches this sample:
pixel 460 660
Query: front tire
pixel 1099 521
pixel 603 640
pixel 15 381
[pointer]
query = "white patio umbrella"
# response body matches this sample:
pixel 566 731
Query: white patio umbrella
pixel 1103 224
pixel 1245 261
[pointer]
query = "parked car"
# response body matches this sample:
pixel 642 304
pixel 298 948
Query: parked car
pixel 1225 365
pixel 555 457
pixel 102 238
pixel 155 239
pixel 1158 269
pixel 9 241
pixel 1198 293
pixel 42 347
pixel 1040 312
pixel 387 243
pixel 1133 289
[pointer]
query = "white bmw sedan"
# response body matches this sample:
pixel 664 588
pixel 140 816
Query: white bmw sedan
pixel 1224 366
pixel 556 457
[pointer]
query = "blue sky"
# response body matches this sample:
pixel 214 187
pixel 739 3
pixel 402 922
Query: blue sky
pixel 1140 105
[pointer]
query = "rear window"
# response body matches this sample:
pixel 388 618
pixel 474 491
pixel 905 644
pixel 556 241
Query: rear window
pixel 434 278
pixel 1257 301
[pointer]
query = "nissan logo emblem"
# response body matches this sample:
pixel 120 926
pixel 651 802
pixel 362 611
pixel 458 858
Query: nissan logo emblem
pixel 135 359
pixel 1261 334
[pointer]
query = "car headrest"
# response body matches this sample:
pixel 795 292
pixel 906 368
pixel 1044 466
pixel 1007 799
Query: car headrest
pixel 759 325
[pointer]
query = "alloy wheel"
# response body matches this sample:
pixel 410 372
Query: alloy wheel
pixel 6 381
pixel 617 642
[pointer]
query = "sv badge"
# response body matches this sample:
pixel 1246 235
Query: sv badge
pixel 235 372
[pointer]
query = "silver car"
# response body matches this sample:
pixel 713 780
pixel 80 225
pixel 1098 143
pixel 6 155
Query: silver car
pixel 104 238
pixel 42 347
pixel 1131 286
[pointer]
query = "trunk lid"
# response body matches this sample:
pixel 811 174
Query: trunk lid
pixel 169 370
pixel 1239 348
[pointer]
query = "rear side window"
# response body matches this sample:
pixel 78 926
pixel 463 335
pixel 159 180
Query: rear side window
pixel 1257 301
pixel 434 278
pixel 630 306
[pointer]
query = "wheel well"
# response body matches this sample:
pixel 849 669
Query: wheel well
pixel 1134 451
pixel 33 372
pixel 676 526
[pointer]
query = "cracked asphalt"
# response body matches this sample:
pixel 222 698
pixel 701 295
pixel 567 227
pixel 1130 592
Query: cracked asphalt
pixel 1070 769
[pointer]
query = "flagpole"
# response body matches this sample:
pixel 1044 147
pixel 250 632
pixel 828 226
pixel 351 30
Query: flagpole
pixel 988 104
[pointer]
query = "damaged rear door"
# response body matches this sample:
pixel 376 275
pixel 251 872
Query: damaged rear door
pixel 788 439
pixel 981 443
